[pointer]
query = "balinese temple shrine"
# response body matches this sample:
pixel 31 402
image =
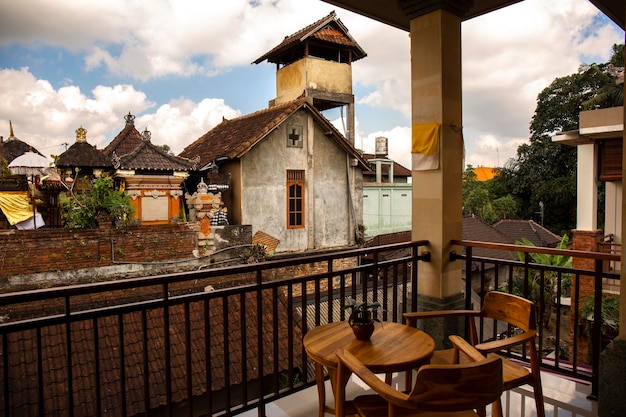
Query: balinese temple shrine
pixel 82 159
pixel 151 176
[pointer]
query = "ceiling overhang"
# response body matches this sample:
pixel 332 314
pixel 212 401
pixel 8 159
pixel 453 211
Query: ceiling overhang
pixel 394 12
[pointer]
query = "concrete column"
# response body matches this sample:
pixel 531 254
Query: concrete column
pixel 587 187
pixel 437 194
pixel 622 307
pixel 613 360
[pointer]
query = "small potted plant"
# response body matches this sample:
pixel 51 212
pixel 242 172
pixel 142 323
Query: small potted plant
pixel 361 318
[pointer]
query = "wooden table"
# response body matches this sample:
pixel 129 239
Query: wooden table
pixel 393 347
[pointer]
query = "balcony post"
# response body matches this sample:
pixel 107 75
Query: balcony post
pixel 437 172
pixel 613 359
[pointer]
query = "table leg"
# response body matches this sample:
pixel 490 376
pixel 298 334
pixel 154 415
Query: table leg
pixel 339 378
pixel 321 389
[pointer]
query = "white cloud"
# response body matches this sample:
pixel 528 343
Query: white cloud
pixel 509 56
pixel 47 118
pixel 180 122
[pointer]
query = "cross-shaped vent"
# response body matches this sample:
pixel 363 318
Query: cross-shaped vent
pixel 294 136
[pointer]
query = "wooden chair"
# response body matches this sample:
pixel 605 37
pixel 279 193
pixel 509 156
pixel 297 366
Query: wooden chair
pixel 439 390
pixel 516 311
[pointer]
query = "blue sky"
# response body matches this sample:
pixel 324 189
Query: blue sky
pixel 182 65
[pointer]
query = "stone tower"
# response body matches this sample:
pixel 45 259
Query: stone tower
pixel 317 61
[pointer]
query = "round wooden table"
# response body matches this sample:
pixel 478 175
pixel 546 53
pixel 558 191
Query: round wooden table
pixel 393 347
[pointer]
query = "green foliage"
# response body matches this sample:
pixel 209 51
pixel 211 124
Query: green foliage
pixel 543 171
pixel 98 197
pixel 488 199
pixel 361 312
pixel 505 207
pixel 550 288
pixel 257 252
pixel 617 58
pixel 4 168
pixel 609 310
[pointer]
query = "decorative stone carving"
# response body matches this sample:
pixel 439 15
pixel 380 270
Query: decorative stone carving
pixel 134 194
pixel 154 193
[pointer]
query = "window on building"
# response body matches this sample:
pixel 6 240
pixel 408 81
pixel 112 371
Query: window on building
pixel 295 199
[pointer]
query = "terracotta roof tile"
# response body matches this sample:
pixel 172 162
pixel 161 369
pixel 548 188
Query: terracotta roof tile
pixel 147 156
pixel 125 141
pixel 476 229
pixel 534 232
pixel 231 139
pixel 329 30
pixel 229 359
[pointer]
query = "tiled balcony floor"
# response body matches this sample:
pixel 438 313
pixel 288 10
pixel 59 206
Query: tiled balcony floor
pixel 563 397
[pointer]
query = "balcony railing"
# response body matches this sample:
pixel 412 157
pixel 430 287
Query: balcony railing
pixel 219 341
pixel 567 300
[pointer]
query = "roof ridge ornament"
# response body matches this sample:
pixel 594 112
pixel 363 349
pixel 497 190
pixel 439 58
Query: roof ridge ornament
pixel 146 135
pixel 130 119
pixel 117 161
pixel 11 134
pixel 81 134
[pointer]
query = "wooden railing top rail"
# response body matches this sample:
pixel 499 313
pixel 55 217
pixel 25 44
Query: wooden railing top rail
pixel 536 249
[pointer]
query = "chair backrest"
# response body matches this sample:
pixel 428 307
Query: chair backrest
pixel 510 308
pixel 458 387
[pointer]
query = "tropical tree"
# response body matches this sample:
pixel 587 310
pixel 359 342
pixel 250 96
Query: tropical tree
pixel 543 286
pixel 545 172
pixel 487 199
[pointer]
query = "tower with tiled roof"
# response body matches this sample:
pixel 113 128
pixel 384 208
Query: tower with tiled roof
pixel 317 60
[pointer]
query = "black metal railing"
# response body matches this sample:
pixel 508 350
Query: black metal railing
pixel 226 340
pixel 567 300
pixel 211 342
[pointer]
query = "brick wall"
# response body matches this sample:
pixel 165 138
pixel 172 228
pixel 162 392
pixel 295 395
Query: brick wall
pixel 54 250
pixel 583 240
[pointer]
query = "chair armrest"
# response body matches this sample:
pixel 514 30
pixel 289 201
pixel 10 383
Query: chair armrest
pixel 506 343
pixel 412 317
pixel 390 394
pixel 462 345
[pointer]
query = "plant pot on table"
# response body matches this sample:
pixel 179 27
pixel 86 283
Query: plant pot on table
pixel 362 331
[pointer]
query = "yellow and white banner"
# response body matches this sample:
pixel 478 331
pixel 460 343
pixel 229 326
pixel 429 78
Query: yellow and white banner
pixel 16 206
pixel 425 141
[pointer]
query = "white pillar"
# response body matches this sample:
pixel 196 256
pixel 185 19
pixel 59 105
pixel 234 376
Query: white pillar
pixel 587 188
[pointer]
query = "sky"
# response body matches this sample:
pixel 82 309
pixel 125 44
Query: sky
pixel 180 66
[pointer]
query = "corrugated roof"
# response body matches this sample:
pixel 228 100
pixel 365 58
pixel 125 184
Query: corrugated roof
pixel 329 31
pixel 232 139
